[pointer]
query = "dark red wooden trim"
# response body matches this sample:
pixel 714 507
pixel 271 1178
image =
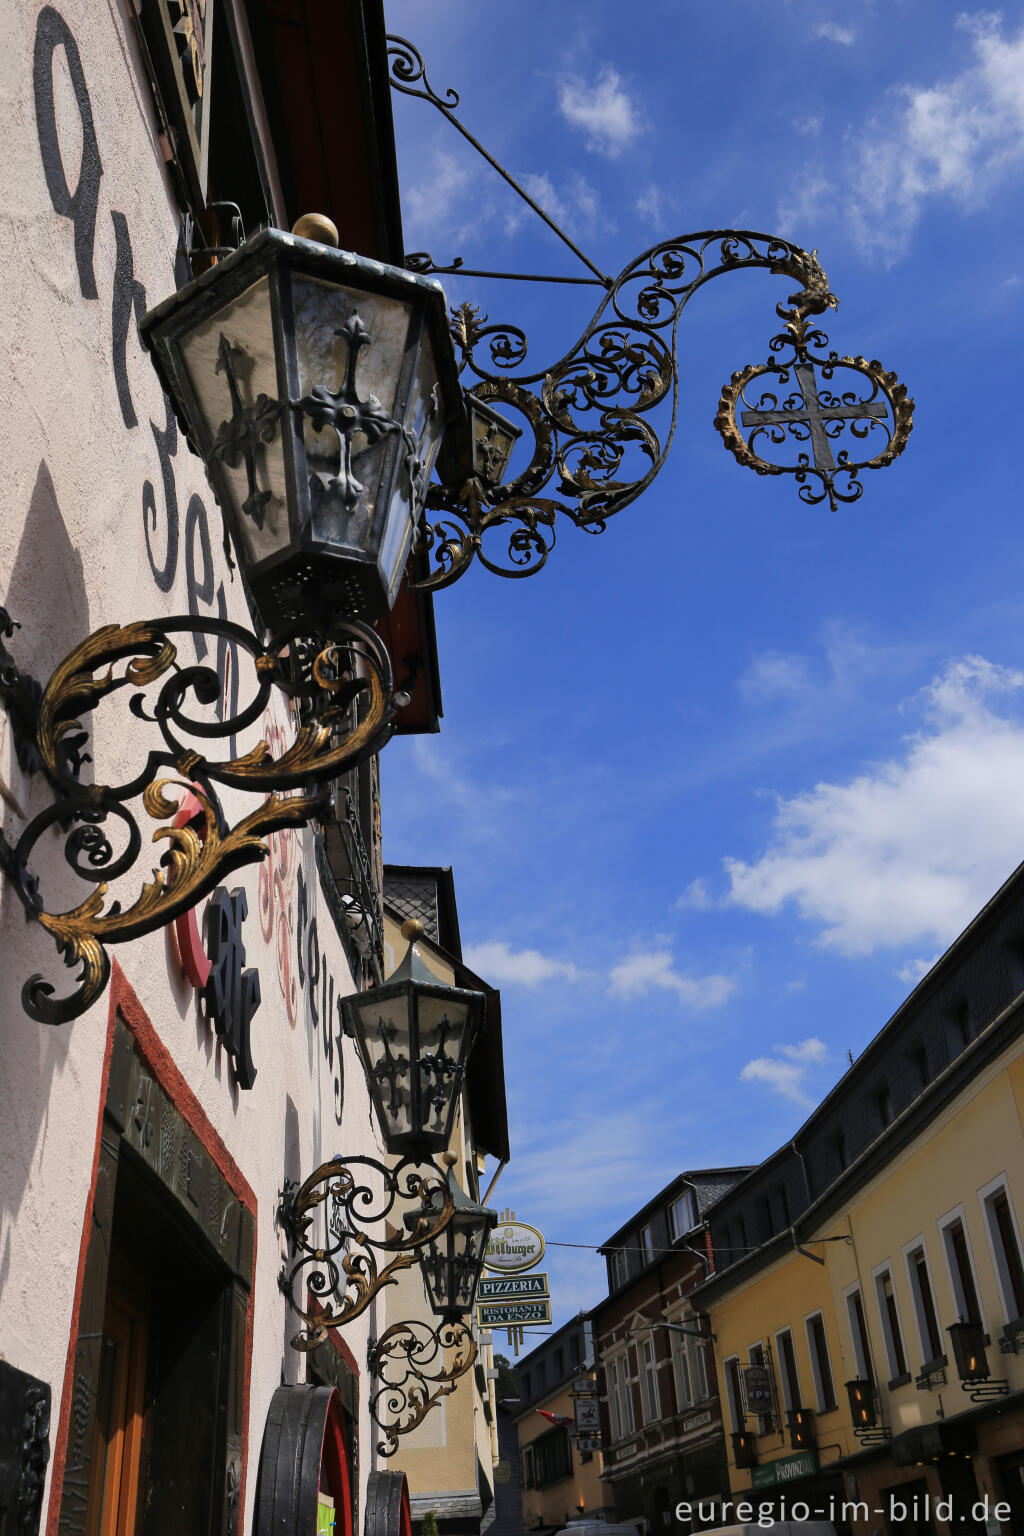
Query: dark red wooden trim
pixel 334 1338
pixel 124 1000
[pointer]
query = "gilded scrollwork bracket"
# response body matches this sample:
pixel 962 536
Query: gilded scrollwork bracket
pixel 351 1227
pixel 417 1366
pixel 345 703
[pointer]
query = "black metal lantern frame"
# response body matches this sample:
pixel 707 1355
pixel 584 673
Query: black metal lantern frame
pixel 414 1035
pixel 800 1422
pixel 972 1367
pixel 316 385
pixel 453 1260
pixel 865 1412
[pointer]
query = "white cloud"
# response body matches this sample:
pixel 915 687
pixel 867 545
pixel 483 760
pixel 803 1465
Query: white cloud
pixel 696 896
pixel 434 205
pixel 588 1154
pixel 775 674
pixel 785 1072
pixel 911 973
pixel 911 848
pixel 811 126
pixel 577 204
pixel 811 1049
pixel 601 109
pixel 650 204
pixel 832 32
pixel 502 966
pixel 643 973
pixel 957 138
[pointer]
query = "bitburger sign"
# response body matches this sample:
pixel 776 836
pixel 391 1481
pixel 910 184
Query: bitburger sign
pixel 513 1247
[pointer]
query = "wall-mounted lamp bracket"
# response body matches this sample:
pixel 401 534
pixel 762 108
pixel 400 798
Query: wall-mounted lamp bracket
pixel 409 1205
pixel 347 706
pixel 417 1366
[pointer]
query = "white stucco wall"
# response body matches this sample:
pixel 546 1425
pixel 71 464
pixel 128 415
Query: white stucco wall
pixel 73 556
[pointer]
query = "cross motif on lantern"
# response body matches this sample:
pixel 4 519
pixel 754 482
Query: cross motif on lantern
pixel 249 427
pixel 390 1067
pixel 440 1066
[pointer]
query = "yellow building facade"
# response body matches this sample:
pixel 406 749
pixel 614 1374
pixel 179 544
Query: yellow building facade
pixel 560 1472
pixel 843 1387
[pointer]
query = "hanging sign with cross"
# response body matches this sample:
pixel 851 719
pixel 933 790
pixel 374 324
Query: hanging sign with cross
pixel 824 406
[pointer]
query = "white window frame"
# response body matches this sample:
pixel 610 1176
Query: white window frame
pixel 907 1250
pixel 1000 1184
pixel 689 1202
pixel 646 1243
pixel 736 1418
pixel 886 1268
pixel 787 1396
pixel 819 1386
pixel 865 1367
pixel 944 1223
pixel 620 1398
pixel 688 1362
pixel 650 1386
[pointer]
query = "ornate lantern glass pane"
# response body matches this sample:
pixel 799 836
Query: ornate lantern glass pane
pixel 440 1053
pixel 338 329
pixel 383 1039
pixel 231 365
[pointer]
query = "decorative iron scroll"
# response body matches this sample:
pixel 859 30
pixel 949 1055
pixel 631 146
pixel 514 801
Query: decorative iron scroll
pixel 340 1272
pixel 346 700
pixel 807 413
pixel 594 448
pixel 418 1365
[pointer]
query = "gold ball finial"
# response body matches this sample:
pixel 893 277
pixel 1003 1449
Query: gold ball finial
pixel 449 1159
pixel 316 226
pixel 412 929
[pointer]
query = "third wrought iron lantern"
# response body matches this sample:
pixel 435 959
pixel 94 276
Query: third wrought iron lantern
pixel 453 1261
pixel 968 1340
pixel 316 386
pixel 414 1035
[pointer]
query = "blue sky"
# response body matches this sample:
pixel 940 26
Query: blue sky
pixel 719 785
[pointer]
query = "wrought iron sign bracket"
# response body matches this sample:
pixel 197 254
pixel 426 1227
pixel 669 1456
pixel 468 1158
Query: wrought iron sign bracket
pixel 417 1366
pixel 343 1269
pixel 985 1391
pixel 595 449
pixel 350 705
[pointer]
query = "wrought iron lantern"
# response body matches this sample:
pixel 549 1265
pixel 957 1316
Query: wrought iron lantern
pixel 414 1035
pixel 452 1261
pixel 316 386
pixel 968 1341
pixel 863 1403
pixel 800 1423
pixel 972 1365
pixel 744 1448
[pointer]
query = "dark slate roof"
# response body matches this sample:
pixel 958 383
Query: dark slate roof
pixel 427 893
pixel 709 1184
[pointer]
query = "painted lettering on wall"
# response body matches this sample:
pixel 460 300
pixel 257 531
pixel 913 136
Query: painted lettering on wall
pixel 323 997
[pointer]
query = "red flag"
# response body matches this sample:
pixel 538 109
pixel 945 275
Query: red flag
pixel 556 1418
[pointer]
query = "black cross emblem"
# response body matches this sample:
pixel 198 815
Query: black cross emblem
pixel 249 427
pixel 390 1067
pixel 439 1065
pixel 347 414
pixel 814 413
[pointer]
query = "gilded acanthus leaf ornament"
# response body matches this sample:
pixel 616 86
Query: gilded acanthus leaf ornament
pixel 348 705
pixel 340 1225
